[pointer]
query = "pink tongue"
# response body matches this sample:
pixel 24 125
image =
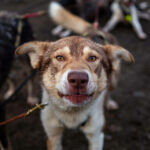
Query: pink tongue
pixel 76 99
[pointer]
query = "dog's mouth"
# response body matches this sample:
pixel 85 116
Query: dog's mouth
pixel 76 98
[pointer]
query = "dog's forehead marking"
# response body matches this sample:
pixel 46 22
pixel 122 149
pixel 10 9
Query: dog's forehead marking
pixel 86 49
pixel 66 49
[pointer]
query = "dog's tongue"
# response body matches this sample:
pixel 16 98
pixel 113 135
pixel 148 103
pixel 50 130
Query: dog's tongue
pixel 77 99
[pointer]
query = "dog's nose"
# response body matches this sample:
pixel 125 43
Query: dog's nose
pixel 78 79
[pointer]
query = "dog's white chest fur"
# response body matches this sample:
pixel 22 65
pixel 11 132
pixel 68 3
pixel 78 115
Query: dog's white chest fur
pixel 72 120
pixel 53 117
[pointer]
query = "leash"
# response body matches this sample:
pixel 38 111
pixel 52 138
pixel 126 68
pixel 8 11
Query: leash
pixel 32 15
pixel 25 114
pixel 20 24
pixel 17 89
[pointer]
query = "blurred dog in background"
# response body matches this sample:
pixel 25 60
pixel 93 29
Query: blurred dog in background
pixel 82 8
pixel 129 11
pixel 13 32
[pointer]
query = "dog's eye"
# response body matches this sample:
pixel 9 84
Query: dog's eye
pixel 92 58
pixel 60 58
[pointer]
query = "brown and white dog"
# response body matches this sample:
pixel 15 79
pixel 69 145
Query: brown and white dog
pixel 75 75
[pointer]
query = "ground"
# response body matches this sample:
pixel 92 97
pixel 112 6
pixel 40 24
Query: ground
pixel 128 128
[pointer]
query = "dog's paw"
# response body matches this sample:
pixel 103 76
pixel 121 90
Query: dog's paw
pixel 8 147
pixel 8 94
pixel 31 100
pixel 11 89
pixel 65 33
pixel 142 36
pixel 111 104
pixel 143 5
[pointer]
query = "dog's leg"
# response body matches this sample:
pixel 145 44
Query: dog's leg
pixel 8 148
pixel 65 33
pixel 11 89
pixel 93 129
pixel 57 30
pixel 111 104
pixel 136 24
pixel 96 141
pixel 117 16
pixel 31 99
pixel 144 15
pixel 53 127
pixel 1 147
pixel 54 140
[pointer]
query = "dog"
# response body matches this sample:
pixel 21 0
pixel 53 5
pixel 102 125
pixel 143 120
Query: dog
pixel 75 74
pixel 13 32
pixel 127 10
pixel 83 9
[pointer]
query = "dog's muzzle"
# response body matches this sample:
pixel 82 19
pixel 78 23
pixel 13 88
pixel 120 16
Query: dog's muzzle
pixel 77 87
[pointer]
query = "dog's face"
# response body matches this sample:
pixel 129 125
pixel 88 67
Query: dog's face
pixel 74 69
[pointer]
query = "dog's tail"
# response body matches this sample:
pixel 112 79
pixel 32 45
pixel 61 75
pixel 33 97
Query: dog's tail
pixel 63 17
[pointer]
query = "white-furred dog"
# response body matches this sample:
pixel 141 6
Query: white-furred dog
pixel 126 10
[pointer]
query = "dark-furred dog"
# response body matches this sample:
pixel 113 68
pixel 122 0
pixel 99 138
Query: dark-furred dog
pixel 13 32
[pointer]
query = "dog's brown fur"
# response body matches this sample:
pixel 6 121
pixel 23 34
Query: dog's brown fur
pixel 62 111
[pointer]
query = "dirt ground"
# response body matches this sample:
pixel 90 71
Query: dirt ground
pixel 128 128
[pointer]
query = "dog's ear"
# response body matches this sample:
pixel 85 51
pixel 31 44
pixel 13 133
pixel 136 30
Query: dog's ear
pixel 115 52
pixel 115 55
pixel 35 50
